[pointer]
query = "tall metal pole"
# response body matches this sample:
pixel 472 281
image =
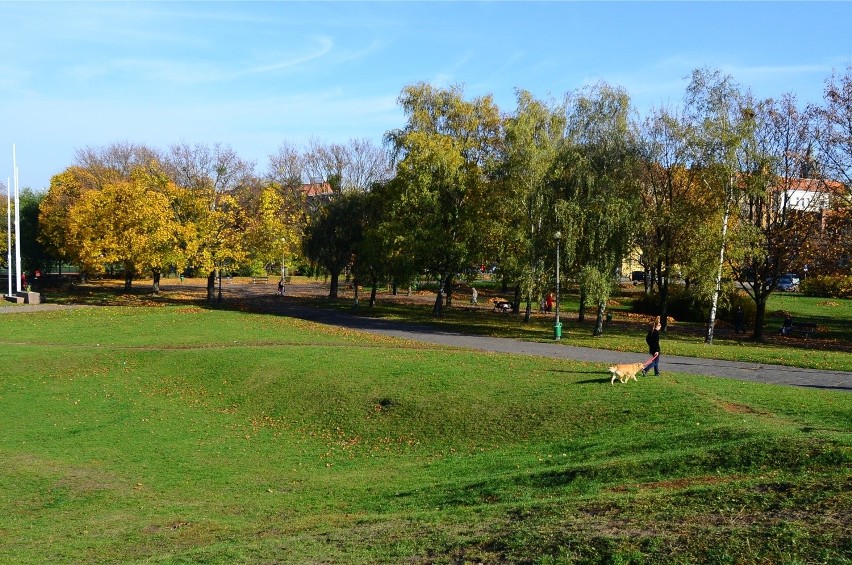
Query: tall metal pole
pixel 17 221
pixel 9 234
pixel 557 327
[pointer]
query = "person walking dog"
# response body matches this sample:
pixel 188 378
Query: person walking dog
pixel 653 341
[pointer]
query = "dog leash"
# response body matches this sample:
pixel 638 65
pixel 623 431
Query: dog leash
pixel 648 362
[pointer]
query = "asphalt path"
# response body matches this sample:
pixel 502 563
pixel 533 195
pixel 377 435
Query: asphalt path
pixel 840 381
pixel 763 373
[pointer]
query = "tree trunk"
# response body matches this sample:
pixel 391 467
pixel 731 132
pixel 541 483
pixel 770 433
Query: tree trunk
pixel 211 286
pixel 448 289
pixel 437 309
pixel 516 303
pixel 373 291
pixel 528 312
pixel 355 288
pixel 760 316
pixel 335 284
pixel 599 322
pixel 219 276
pixel 128 278
pixel 156 288
pixel 664 300
pixel 581 315
pixel 711 323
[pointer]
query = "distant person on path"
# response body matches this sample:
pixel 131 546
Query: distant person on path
pixel 473 295
pixel 281 287
pixel 653 341
pixel 548 303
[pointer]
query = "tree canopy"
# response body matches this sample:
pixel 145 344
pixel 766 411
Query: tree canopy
pixel 702 189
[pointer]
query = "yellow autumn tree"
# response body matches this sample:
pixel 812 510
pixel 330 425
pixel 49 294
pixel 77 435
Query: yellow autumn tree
pixel 215 225
pixel 274 227
pixel 129 223
pixel 65 190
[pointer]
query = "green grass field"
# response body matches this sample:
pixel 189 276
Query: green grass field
pixel 180 434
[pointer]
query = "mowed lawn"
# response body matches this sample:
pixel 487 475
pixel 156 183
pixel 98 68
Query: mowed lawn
pixel 180 434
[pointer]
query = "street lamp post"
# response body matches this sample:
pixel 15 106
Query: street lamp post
pixel 283 257
pixel 557 326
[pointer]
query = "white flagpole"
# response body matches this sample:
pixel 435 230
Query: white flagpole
pixel 9 234
pixel 17 221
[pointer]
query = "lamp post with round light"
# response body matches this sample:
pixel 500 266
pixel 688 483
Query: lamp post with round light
pixel 557 326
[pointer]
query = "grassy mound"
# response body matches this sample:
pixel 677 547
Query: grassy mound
pixel 180 434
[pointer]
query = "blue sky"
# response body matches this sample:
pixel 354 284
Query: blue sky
pixel 254 75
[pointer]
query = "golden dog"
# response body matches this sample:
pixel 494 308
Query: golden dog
pixel 625 371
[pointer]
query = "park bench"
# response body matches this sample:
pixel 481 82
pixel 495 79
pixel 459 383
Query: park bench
pixel 501 305
pixel 259 280
pixel 804 329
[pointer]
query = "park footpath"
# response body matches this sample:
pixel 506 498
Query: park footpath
pixel 763 373
pixel 755 372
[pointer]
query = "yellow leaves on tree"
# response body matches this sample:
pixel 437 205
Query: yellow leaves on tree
pixel 218 232
pixel 129 223
pixel 274 227
pixel 66 188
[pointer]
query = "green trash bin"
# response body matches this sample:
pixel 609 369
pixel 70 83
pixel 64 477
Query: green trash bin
pixel 557 330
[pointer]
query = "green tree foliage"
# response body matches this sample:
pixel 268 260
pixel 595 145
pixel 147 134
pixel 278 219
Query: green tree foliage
pixel 525 209
pixel 444 151
pixel 332 238
pixel 674 204
pixel 721 124
pixel 598 194
pixel 34 255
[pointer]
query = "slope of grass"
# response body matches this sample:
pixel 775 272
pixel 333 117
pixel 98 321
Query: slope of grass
pixel 183 435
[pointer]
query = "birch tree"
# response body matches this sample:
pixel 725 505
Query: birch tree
pixel 721 122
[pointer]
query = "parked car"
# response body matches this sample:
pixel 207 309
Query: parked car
pixel 788 283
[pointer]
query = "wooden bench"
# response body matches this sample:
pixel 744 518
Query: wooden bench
pixel 259 280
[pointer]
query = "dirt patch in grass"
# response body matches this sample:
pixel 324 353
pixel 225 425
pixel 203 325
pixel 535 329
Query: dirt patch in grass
pixel 736 408
pixel 675 484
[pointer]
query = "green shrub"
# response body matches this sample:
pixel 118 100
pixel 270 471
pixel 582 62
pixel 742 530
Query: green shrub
pixel 827 286
pixel 685 306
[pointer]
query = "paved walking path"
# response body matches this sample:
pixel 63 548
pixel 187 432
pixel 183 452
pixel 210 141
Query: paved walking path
pixel 764 373
pixel 775 374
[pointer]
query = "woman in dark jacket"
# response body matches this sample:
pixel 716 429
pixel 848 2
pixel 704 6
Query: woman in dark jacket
pixel 653 341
